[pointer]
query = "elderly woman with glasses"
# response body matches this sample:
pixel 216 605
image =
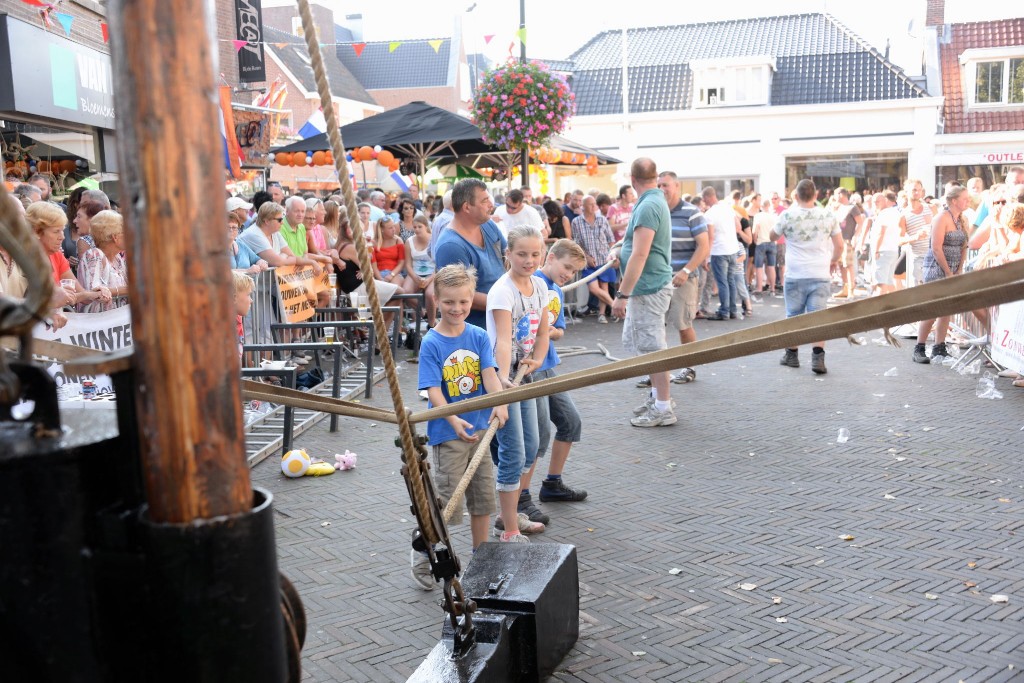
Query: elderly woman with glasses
pixel 104 266
pixel 264 238
pixel 243 258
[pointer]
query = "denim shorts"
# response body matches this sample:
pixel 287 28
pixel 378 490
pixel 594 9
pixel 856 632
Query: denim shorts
pixel 643 331
pixel 806 296
pixel 560 410
pixel 765 254
pixel 515 447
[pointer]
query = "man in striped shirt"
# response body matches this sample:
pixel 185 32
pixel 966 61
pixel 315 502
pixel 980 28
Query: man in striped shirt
pixel 916 225
pixel 691 245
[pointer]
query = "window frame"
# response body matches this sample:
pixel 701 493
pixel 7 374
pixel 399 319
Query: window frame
pixel 971 60
pixel 722 77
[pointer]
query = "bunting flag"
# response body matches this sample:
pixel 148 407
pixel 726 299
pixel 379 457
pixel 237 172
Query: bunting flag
pixel 280 46
pixel 488 39
pixel 393 45
pixel 521 35
pixel 106 31
pixel 359 47
pixel 239 44
pixel 65 21
pixel 436 44
pixel 34 3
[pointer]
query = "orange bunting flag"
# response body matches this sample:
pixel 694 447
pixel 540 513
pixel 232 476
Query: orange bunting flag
pixel 393 45
pixel 280 46
pixel 234 152
pixel 436 44
pixel 359 47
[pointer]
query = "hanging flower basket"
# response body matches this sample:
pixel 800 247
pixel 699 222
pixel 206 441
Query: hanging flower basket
pixel 522 104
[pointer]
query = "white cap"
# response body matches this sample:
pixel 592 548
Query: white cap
pixel 238 203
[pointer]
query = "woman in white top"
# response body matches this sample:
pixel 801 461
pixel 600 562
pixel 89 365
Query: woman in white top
pixel 419 264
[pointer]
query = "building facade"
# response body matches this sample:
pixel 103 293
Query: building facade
pixel 754 104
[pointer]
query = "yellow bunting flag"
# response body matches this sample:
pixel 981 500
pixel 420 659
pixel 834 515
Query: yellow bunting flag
pixel 521 35
pixel 393 45
pixel 436 44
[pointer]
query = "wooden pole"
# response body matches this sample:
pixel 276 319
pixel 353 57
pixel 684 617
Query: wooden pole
pixel 172 182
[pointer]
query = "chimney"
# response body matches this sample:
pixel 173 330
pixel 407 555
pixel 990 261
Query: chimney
pixel 935 14
pixel 354 23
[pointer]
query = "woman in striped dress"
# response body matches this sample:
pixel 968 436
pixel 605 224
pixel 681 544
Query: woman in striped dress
pixel 945 259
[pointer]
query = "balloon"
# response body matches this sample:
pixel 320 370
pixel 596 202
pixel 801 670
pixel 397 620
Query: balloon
pixel 67 166
pixel 377 148
pixel 385 158
pixel 365 153
pixel 309 159
pixel 394 166
pixel 328 158
pixel 271 157
pixel 282 158
pixel 556 156
pixel 298 159
pixel 44 166
pixel 349 158
pixel 319 158
pixel 32 169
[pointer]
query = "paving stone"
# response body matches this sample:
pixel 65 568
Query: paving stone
pixel 759 492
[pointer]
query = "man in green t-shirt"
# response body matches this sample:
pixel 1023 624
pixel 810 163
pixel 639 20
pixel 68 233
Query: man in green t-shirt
pixel 645 292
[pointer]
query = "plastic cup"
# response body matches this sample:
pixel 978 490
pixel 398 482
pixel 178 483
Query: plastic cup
pixel 329 335
pixel 332 278
pixel 69 283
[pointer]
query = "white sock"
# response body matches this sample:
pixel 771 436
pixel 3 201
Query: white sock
pixel 662 406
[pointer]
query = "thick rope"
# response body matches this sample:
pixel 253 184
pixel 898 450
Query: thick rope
pixel 980 289
pixel 573 285
pixel 482 449
pixel 410 452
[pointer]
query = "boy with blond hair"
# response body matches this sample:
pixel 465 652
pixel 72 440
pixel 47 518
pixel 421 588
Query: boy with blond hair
pixel 565 258
pixel 457 363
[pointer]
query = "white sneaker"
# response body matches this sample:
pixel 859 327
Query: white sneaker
pixel 602 320
pixel 654 418
pixel 419 569
pixel 649 404
pixel 299 360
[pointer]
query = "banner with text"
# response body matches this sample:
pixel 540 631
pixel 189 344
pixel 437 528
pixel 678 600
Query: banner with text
pixel 107 331
pixel 1008 336
pixel 299 287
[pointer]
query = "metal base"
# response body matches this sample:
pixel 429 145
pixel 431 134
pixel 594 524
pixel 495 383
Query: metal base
pixel 527 616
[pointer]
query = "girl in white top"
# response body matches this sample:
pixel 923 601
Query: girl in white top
pixel 517 325
pixel 419 264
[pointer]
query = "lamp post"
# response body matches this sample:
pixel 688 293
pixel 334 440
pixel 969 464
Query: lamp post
pixel 524 159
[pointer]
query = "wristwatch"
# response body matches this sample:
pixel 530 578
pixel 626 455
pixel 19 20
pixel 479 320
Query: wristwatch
pixel 687 271
pixel 621 295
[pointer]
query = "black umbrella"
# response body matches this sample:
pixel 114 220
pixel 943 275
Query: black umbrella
pixel 416 131
pixel 420 131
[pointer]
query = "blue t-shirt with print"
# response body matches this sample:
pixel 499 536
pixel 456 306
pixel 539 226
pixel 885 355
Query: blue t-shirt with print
pixel 556 318
pixel 488 260
pixel 456 365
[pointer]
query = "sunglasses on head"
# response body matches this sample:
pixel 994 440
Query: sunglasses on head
pixel 999 202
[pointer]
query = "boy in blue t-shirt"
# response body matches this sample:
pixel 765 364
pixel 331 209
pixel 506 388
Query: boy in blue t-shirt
pixel 564 260
pixel 457 363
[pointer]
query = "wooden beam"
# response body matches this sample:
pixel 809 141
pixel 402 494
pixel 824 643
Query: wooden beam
pixel 172 189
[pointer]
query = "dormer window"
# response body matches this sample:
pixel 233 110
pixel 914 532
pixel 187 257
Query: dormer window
pixel 735 82
pixel 994 77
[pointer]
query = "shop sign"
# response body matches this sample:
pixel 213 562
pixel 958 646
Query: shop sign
pixel 252 129
pixel 836 169
pixel 1004 157
pixel 46 75
pixel 249 28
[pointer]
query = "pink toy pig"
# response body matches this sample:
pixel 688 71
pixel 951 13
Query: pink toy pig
pixel 345 461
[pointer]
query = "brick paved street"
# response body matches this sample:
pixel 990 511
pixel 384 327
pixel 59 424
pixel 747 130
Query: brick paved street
pixel 749 487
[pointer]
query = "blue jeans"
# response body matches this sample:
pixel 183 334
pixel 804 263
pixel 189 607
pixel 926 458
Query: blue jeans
pixel 806 296
pixel 727 272
pixel 515 448
pixel 560 410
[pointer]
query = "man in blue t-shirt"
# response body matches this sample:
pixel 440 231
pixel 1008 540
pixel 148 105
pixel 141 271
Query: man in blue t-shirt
pixel 647 277
pixel 690 249
pixel 473 239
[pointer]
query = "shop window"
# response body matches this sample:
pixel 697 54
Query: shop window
pixel 724 84
pixel 995 77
